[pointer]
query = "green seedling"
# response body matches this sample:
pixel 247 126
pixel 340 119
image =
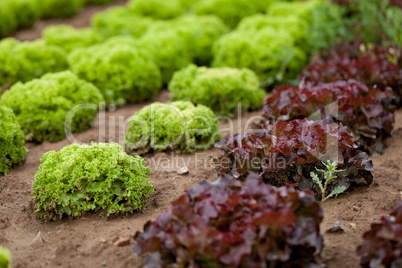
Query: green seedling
pixel 329 176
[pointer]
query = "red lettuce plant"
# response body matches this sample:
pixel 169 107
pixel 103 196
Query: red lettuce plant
pixel 288 152
pixel 358 49
pixel 367 111
pixel 227 223
pixel 396 3
pixel 373 70
pixel 382 244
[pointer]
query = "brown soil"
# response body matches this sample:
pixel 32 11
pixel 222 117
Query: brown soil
pixel 87 241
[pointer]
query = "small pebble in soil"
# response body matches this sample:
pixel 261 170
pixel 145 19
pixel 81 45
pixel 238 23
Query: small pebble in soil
pixel 337 228
pixel 183 170
pixel 355 208
pixel 353 226
pixel 102 240
pixel 103 263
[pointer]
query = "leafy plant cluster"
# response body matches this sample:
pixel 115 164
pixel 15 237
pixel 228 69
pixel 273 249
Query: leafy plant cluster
pixel 12 150
pixel 121 71
pixel 42 105
pixel 17 14
pixel 277 45
pixel 229 11
pixel 231 224
pixel 60 8
pixel 157 9
pixel 234 10
pixel 168 49
pixel 24 61
pixel 69 38
pixel 396 3
pixel 329 176
pixel 382 244
pixel 221 89
pixel 179 126
pixel 5 258
pixel 373 67
pixel 287 152
pixel 376 21
pixel 198 33
pixel 367 111
pixel 84 178
pixel 120 21
pixel 358 49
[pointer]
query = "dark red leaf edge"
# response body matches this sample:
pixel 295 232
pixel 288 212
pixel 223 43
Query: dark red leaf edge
pixel 367 111
pixel 382 244
pixel 227 223
pixel 370 65
pixel 286 152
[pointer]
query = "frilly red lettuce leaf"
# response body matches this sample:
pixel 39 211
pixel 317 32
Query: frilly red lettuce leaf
pixel 287 153
pixel 227 223
pixel 382 244
pixel 371 64
pixel 367 111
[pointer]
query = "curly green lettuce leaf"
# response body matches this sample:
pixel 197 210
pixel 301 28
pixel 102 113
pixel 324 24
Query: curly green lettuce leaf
pixel 88 178
pixel 179 126
pixel 42 105
pixel 12 150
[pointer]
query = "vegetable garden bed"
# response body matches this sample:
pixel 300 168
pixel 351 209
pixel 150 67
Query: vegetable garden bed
pixel 87 240
pixel 93 240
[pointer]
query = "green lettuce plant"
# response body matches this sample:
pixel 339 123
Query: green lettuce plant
pixel 221 89
pixel 42 105
pixel 200 34
pixel 123 72
pixel 294 25
pixel 5 258
pixel 12 150
pixel 24 61
pixel 8 20
pixel 69 38
pixel 179 126
pixel 271 53
pixel 120 21
pixel 300 9
pixel 186 4
pixel 168 49
pixel 98 2
pixel 89 178
pixel 230 11
pixel 60 8
pixel 27 12
pixel 158 9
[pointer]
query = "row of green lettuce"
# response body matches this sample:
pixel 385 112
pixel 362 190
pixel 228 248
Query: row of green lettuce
pixel 275 45
pixel 20 14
